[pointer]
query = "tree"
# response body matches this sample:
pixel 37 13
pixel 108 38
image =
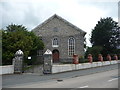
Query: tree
pixel 106 34
pixel 95 50
pixel 13 28
pixel 17 37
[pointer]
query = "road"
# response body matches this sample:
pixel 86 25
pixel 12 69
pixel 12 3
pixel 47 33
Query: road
pixel 106 77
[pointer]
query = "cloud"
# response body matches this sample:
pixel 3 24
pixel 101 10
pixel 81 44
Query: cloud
pixel 82 13
pixel 11 14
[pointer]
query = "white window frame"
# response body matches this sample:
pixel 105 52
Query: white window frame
pixel 72 51
pixel 55 42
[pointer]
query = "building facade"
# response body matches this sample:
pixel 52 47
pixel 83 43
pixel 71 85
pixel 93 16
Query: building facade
pixel 62 38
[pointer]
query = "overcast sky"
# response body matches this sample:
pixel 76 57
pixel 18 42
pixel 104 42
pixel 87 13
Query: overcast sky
pixel 82 13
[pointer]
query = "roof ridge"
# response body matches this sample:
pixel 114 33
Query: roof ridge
pixel 59 17
pixel 44 22
pixel 72 25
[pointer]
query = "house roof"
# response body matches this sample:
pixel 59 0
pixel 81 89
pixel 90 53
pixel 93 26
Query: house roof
pixel 60 18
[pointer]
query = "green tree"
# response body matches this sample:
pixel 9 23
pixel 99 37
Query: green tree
pixel 95 50
pixel 13 28
pixel 106 34
pixel 17 37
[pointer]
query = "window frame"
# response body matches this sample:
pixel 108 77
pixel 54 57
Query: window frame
pixel 71 45
pixel 55 42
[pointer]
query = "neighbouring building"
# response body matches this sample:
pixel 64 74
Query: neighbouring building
pixel 62 38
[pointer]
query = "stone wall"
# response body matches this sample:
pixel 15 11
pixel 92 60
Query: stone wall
pixel 63 33
pixel 35 69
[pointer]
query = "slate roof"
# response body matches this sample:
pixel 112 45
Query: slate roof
pixel 60 18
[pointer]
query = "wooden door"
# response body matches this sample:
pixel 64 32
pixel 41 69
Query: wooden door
pixel 55 56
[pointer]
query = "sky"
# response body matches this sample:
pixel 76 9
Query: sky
pixel 82 13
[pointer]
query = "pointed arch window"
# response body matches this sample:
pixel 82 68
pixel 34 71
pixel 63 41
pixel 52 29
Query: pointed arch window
pixel 71 46
pixel 55 42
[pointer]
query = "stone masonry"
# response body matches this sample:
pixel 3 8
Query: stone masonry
pixel 58 27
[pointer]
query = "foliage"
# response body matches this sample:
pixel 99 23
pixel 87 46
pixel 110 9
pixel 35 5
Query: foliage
pixel 13 28
pixel 85 43
pixel 82 60
pixel 95 50
pixel 107 35
pixel 17 37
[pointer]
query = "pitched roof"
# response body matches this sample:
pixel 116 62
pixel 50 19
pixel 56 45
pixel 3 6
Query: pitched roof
pixel 65 21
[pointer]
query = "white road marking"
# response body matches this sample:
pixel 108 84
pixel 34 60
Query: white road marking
pixel 112 79
pixel 59 82
pixel 83 87
pixel 79 87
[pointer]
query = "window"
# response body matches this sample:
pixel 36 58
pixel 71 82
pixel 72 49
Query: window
pixel 71 46
pixel 55 42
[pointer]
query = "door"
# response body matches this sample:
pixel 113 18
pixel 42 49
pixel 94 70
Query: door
pixel 55 56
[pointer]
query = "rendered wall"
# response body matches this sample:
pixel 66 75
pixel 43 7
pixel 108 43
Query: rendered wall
pixel 70 67
pixel 9 69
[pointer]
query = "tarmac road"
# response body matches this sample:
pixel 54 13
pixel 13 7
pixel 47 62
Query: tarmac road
pixel 108 79
pixel 27 79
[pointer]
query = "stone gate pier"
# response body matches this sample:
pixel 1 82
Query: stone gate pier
pixel 18 62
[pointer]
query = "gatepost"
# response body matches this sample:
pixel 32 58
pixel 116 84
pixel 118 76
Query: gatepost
pixel 47 67
pixel 18 62
pixel 75 59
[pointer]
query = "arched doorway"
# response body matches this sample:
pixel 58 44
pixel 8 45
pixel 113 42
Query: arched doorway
pixel 55 56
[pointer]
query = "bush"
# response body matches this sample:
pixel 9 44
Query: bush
pixel 95 50
pixel 82 60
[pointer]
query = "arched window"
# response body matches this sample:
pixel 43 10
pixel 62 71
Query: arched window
pixel 71 46
pixel 55 42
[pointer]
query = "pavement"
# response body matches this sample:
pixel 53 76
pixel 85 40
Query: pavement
pixel 28 78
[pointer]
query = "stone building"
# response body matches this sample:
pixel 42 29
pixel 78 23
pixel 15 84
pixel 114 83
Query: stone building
pixel 62 38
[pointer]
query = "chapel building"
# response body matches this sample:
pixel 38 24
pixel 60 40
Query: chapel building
pixel 62 38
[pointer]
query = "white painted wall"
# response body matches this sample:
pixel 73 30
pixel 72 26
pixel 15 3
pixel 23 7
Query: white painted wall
pixel 99 64
pixel 114 62
pixel 86 65
pixel 94 64
pixel 106 62
pixel 70 67
pixel 8 69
